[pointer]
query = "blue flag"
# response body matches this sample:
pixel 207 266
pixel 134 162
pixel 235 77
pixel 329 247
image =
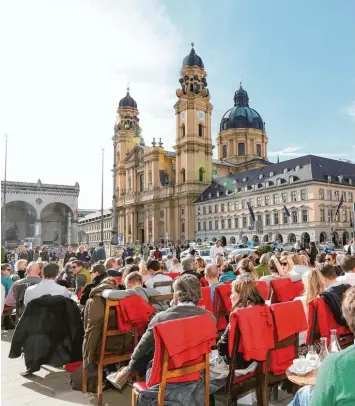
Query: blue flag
pixel 341 201
pixel 287 211
pixel 251 211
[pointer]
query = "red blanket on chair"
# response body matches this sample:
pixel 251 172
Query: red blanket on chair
pixel 206 301
pixel 133 310
pixel 186 340
pixel 257 332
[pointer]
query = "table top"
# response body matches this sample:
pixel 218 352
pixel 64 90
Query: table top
pixel 309 379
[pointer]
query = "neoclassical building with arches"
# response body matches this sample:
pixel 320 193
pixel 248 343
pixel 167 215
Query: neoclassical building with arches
pixel 310 187
pixel 39 212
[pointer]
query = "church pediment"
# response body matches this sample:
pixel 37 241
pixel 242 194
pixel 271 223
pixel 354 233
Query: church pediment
pixel 136 155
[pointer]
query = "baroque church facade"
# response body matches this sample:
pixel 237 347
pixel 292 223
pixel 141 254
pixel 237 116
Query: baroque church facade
pixel 156 189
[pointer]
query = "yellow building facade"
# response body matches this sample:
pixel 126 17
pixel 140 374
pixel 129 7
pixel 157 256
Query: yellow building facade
pixel 156 189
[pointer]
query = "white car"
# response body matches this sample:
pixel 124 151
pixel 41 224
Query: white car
pixel 241 251
pixel 202 252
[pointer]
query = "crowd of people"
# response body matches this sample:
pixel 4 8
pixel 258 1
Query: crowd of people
pixel 88 278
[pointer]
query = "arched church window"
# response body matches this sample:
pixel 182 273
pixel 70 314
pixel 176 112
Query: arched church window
pixel 224 151
pixel 258 150
pixel 183 130
pixel 241 149
pixel 200 130
pixel 200 174
pixel 183 175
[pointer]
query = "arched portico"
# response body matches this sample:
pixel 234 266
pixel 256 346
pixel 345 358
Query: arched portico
pixel 56 221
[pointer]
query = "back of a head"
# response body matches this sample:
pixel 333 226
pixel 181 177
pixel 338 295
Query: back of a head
pixel 187 288
pixel 314 284
pixel 129 261
pixel 153 265
pixel 188 263
pixel 296 259
pixel 328 271
pixel 264 259
pixel 101 244
pixel 174 261
pixel 50 271
pixel 320 258
pixel 272 267
pixel 212 271
pixel 169 256
pixel 99 268
pixel 248 293
pixel 349 263
pixel 33 269
pixel 134 278
pixel 109 263
pixel 348 308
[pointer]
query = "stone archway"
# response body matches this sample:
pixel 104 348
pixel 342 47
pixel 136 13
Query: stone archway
pixel 199 241
pixel 278 238
pixel 291 238
pixel 322 237
pixel 256 239
pixel 346 237
pixel 245 240
pixel 232 240
pixel 266 238
pixel 335 239
pixel 55 224
pixel 20 223
pixel 305 240
pixel 224 241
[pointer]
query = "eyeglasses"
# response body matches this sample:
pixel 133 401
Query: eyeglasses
pixel 328 259
pixel 7 269
pixel 73 267
pixel 283 263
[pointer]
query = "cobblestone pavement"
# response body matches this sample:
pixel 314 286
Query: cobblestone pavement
pixel 52 384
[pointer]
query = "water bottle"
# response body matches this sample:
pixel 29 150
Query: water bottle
pixel 323 353
pixel 334 344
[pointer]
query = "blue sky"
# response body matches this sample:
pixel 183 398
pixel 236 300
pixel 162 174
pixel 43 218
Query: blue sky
pixel 68 63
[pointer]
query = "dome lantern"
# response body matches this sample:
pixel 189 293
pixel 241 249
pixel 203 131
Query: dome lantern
pixel 192 59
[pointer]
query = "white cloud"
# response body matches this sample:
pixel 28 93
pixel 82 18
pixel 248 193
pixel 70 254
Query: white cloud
pixel 67 65
pixel 350 109
pixel 290 152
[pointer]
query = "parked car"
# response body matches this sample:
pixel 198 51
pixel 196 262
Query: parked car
pixel 286 246
pixel 202 252
pixel 241 251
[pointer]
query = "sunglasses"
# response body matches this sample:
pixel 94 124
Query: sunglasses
pixel 73 267
pixel 283 263
pixel 7 269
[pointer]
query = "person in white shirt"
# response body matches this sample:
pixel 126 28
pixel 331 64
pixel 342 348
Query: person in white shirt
pixel 349 267
pixel 169 260
pixel 176 266
pixel 156 276
pixel 216 251
pixel 48 286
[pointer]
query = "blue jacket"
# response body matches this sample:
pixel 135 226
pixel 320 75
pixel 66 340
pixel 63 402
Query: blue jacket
pixel 7 282
pixel 228 276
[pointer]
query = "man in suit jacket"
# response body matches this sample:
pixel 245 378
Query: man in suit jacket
pixel 187 293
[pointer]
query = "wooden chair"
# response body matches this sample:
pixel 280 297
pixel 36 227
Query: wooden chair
pixel 191 366
pixel 222 305
pixel 162 284
pixel 161 298
pixel 283 290
pixel 105 358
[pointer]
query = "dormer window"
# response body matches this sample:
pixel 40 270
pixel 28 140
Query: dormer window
pixel 267 184
pixel 340 178
pixel 209 195
pixel 244 180
pixel 278 182
pixel 350 181
pixel 261 176
pixel 226 192
pixel 297 168
pixel 285 170
pixel 271 174
pixel 291 179
pixel 217 194
pixel 329 178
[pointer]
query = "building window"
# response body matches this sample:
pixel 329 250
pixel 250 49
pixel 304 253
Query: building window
pixel 182 227
pixel 210 225
pixel 214 174
pixel 216 224
pixel 276 218
pixel 222 207
pixel 236 205
pixel 200 174
pixel 141 183
pixel 258 201
pixel 150 177
pixel 224 151
pixel 209 209
pixel 321 194
pixel 329 194
pixel 284 197
pixel 293 196
pixel 344 196
pixel 294 216
pixel 244 219
pixel 222 224
pixel 258 150
pixel 303 194
pixel 267 219
pixel 182 130
pixel 243 204
pixel 229 224
pixel 241 149
pixel 259 218
pixel 285 218
pixel 276 199
pixel 198 210
pixel 343 216
pixel 322 215
pixel 200 130
pixel 204 226
pixel 183 175
pixel 230 208
pixel 236 222
pixel 203 210
pixel 304 216
pixel 267 200
pixel 336 195
pixel 350 197
pixel 216 208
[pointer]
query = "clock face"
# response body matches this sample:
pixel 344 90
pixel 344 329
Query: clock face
pixel 182 116
pixel 200 115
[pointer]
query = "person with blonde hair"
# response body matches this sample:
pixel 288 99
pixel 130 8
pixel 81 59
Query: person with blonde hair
pixel 246 270
pixel 163 267
pixel 112 267
pixel 20 268
pixel 299 268
pixel 200 265
pixel 143 268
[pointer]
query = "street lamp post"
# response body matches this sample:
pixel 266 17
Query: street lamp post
pixel 114 232
pixel 102 194
pixel 4 199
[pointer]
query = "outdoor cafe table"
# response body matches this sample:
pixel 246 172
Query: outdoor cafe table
pixel 309 379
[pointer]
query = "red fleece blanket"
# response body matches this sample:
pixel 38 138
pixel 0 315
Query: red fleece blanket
pixel 133 310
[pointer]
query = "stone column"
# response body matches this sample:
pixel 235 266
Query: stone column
pixel 74 233
pixel 38 231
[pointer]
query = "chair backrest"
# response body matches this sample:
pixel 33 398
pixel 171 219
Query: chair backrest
pixel 263 289
pixel 118 279
pixel 161 298
pixel 173 275
pixel 298 288
pixel 206 300
pixel 321 321
pixel 222 304
pixel 163 284
pixel 182 350
pixel 282 290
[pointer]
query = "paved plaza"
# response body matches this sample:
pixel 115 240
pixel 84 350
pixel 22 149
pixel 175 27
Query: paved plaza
pixel 52 384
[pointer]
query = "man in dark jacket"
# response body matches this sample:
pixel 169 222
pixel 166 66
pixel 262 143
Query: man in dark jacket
pixel 98 274
pixel 99 253
pixel 49 332
pixel 69 253
pixel 187 293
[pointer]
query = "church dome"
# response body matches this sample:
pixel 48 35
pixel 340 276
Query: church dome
pixel 128 101
pixel 241 115
pixel 192 59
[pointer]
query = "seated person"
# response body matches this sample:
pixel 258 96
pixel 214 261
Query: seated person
pixel 211 276
pixel 112 267
pixel 98 274
pixel 187 293
pixel 335 378
pixel 16 295
pixel 169 259
pixel 332 258
pixel 176 266
pixel 349 269
pixel 262 269
pixel 134 286
pixel 274 273
pixel 156 275
pixel 227 273
pixel 67 275
pixel 285 265
pixel 82 275
pixel 47 286
pixel 128 261
pixel 6 281
pixel 300 266
pixel 246 270
pixel 20 268
pixel 188 265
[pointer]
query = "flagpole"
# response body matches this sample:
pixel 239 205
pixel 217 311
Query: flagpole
pixel 329 212
pixel 4 199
